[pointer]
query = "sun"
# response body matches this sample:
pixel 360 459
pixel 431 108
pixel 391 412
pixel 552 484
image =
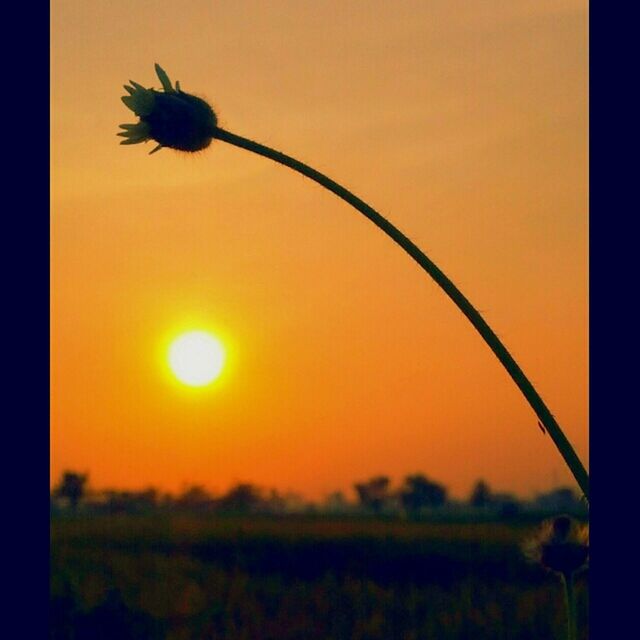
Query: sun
pixel 196 358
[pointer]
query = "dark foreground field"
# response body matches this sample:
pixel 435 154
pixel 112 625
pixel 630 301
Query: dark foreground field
pixel 196 578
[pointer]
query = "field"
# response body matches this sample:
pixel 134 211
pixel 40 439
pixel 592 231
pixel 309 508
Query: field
pixel 187 577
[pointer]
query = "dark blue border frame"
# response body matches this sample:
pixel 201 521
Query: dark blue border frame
pixel 614 457
pixel 25 312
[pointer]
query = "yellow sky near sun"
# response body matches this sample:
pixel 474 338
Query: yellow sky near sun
pixel 464 122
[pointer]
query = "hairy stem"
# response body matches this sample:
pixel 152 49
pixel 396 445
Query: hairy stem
pixel 570 604
pixel 529 392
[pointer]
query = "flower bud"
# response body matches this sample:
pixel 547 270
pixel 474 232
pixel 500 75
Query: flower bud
pixel 561 545
pixel 171 117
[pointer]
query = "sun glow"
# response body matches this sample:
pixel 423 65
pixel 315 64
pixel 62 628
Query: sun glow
pixel 196 358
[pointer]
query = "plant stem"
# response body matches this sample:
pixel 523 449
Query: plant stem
pixel 532 396
pixel 570 602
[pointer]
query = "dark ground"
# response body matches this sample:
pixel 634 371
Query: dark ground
pixel 189 577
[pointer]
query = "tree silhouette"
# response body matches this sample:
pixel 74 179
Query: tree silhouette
pixel 242 498
pixel 560 499
pixel 481 495
pixel 374 493
pixel 419 492
pixel 72 487
pixel 195 497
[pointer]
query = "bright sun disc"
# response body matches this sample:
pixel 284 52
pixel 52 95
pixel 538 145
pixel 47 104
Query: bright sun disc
pixel 196 358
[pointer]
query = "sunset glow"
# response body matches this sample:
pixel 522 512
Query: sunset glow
pixel 464 123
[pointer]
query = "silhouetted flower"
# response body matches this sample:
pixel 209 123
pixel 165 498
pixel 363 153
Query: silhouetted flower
pixel 171 117
pixel 561 545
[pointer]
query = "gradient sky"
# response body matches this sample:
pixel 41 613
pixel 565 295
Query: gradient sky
pixel 465 122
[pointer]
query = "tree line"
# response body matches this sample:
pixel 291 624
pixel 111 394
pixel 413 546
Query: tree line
pixel 416 495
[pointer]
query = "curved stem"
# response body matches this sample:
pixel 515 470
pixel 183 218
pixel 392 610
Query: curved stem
pixel 532 396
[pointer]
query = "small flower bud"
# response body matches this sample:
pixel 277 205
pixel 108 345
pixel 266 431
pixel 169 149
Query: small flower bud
pixel 171 117
pixel 561 545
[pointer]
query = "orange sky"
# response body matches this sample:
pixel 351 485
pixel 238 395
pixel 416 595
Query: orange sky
pixel 464 122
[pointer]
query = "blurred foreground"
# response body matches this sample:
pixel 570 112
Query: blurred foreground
pixel 172 576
